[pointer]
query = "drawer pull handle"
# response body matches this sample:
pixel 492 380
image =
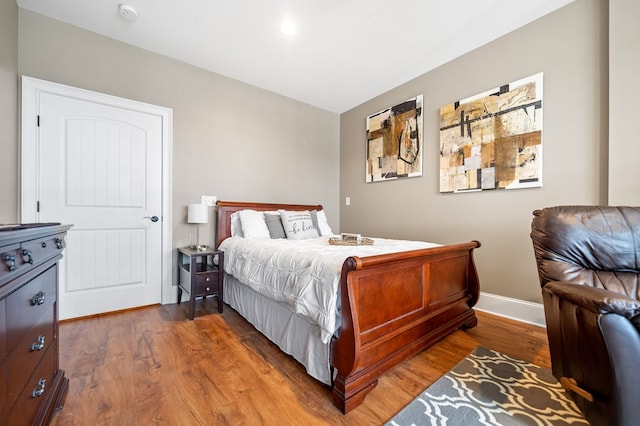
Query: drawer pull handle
pixel 11 262
pixel 38 345
pixel 38 299
pixel 39 390
pixel 27 253
pixel 207 279
pixel 208 289
pixel 59 243
pixel 44 244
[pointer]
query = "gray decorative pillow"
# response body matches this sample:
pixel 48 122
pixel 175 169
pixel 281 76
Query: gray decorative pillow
pixel 314 219
pixel 274 224
pixel 236 226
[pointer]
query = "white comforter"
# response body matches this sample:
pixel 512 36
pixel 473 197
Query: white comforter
pixel 305 274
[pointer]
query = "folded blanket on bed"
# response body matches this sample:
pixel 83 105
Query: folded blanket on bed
pixel 304 274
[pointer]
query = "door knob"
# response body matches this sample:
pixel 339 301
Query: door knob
pixel 153 218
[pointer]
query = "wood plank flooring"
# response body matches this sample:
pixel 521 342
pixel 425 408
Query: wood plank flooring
pixel 154 366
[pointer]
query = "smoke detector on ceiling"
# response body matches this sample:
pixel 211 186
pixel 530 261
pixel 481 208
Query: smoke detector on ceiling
pixel 128 12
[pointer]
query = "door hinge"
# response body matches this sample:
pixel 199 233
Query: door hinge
pixel 38 121
pixel 38 206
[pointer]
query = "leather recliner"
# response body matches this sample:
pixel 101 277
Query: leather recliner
pixel 588 260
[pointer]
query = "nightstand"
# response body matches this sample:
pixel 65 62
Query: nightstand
pixel 201 274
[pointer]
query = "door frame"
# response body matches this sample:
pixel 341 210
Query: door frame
pixel 31 90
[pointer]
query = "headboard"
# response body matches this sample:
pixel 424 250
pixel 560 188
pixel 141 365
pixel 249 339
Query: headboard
pixel 227 208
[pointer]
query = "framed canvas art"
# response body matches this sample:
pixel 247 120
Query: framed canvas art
pixel 394 142
pixel 493 140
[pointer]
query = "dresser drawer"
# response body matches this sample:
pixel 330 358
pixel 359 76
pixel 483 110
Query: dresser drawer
pixel 36 390
pixel 26 356
pixel 30 306
pixel 35 251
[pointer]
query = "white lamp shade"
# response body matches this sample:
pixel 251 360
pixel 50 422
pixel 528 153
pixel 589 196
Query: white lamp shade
pixel 198 213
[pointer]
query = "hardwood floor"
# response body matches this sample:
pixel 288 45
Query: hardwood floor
pixel 153 366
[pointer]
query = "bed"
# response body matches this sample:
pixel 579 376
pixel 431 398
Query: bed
pixel 389 307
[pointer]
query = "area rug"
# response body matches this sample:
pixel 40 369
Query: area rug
pixel 490 388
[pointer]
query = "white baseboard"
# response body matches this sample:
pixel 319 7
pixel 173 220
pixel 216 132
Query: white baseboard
pixel 520 310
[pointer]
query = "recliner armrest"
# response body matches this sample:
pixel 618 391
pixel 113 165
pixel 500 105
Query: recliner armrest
pixel 596 300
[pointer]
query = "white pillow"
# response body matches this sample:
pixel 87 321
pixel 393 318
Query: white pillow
pixel 323 224
pixel 298 224
pixel 236 226
pixel 253 224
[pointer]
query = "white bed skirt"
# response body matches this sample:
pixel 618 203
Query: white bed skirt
pixel 294 334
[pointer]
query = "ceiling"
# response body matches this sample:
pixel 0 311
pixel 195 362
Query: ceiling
pixel 343 53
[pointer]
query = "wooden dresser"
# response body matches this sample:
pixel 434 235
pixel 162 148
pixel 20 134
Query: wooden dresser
pixel 32 386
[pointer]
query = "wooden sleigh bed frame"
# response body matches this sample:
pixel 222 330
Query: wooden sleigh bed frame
pixel 393 306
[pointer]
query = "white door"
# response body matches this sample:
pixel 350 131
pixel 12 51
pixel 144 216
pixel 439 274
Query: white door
pixel 100 169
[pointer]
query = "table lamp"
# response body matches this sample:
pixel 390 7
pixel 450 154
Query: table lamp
pixel 198 213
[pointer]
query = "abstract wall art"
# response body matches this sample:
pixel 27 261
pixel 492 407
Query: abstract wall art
pixel 394 142
pixel 493 140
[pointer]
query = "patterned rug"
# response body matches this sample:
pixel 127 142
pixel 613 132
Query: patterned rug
pixel 490 388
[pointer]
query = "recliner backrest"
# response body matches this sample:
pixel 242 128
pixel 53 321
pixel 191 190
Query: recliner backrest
pixel 592 245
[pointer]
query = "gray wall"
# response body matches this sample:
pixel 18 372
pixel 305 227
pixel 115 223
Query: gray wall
pixel 624 92
pixel 8 111
pixel 570 47
pixel 230 139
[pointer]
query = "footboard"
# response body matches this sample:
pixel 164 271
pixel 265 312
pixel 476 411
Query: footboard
pixel 393 307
